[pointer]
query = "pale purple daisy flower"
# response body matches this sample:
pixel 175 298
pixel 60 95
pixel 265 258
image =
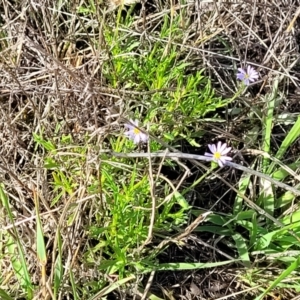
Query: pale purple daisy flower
pixel 248 76
pixel 218 153
pixel 134 133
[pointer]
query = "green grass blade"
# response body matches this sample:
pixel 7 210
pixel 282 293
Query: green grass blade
pixel 188 266
pixel 292 135
pixel 242 249
pixel 4 296
pixel 243 186
pixel 18 262
pixel 41 248
pixel 112 287
pixel 268 124
pixel 282 276
pixel 266 193
pixel 58 269
pixel 73 284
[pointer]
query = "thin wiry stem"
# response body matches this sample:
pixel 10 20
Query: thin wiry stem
pixel 205 158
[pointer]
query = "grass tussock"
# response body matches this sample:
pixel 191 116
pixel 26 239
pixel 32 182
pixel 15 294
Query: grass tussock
pixel 81 220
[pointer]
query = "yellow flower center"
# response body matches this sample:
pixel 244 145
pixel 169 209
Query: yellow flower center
pixel 217 155
pixel 136 131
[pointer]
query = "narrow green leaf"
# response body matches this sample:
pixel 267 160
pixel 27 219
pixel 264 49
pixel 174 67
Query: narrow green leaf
pixel 58 268
pixel 4 296
pixel 282 276
pixel 268 123
pixel 112 287
pixel 189 266
pixel 181 200
pixel 73 284
pixel 292 135
pixel 41 249
pixel 19 263
pixel 242 249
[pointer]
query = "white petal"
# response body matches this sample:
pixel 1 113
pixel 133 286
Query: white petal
pixel 225 151
pixel 242 70
pixel 129 133
pixel 224 159
pixel 227 157
pixel 137 139
pixel 223 147
pixel 213 148
pixel 254 75
pixel 208 154
pixel 220 163
pixel 240 76
pixel 144 137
